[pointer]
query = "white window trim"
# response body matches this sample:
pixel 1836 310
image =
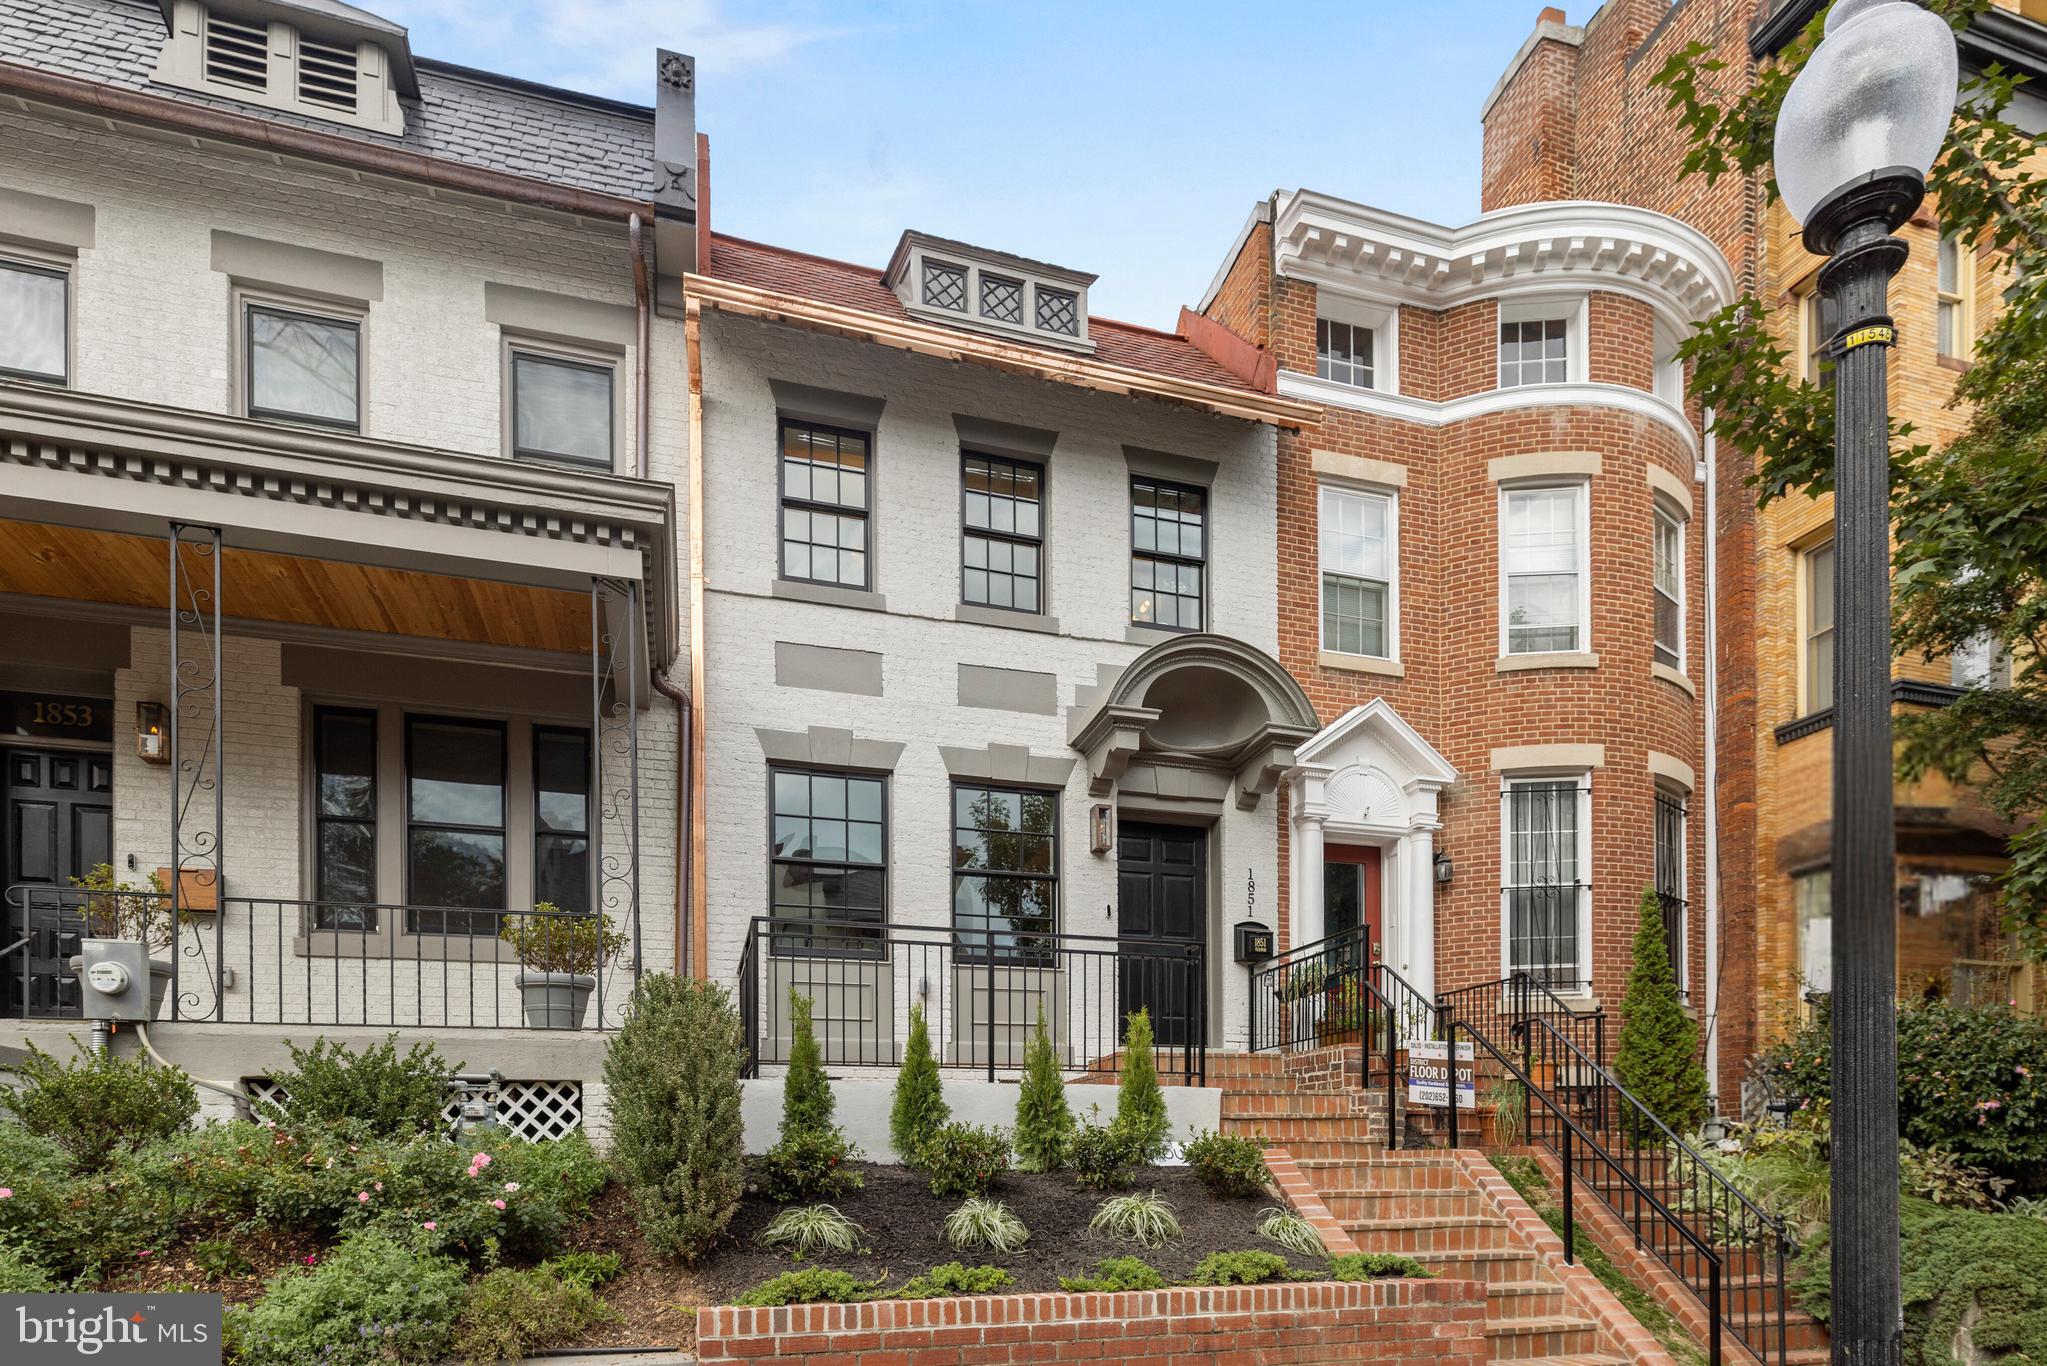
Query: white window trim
pixel 1583 488
pixel 1661 512
pixel 57 263
pixel 1963 299
pixel 1382 319
pixel 513 342
pixel 1583 778
pixel 1668 379
pixel 1574 310
pixel 244 297
pixel 1802 571
pixel 1392 497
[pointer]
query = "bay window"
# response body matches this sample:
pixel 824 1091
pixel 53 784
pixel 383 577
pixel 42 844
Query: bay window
pixel 1542 553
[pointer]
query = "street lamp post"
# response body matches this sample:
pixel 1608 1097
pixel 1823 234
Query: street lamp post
pixel 1858 132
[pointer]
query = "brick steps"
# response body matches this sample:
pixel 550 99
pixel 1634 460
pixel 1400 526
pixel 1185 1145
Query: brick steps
pixel 1440 1233
pixel 1351 1203
pixel 1525 1299
pixel 1540 1336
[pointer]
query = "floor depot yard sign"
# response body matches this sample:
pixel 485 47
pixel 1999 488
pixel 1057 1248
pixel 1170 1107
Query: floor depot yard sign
pixel 118 1330
pixel 1428 1075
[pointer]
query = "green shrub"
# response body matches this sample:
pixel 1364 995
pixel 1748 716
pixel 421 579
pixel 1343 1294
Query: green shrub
pixel 376 1092
pixel 1658 1061
pixel 38 1170
pixel 1244 1268
pixel 1113 1274
pixel 551 940
pixel 982 1223
pixel 99 1103
pixel 952 1279
pixel 1944 1179
pixel 808 1166
pixel 507 1199
pixel 1147 1220
pixel 919 1110
pixel 105 1220
pixel 676 1138
pixel 807 1102
pixel 1372 1266
pixel 218 1257
pixel 1290 1231
pixel 1044 1123
pixel 1140 1104
pixel 510 1312
pixel 585 1268
pixel 1100 1158
pixel 965 1159
pixel 812 1285
pixel 809 1229
pixel 370 1300
pixel 19 1275
pixel 1232 1167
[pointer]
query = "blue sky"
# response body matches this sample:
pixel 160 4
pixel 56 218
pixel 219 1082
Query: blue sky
pixel 1124 138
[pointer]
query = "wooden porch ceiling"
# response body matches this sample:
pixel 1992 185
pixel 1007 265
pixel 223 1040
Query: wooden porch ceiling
pixel 133 571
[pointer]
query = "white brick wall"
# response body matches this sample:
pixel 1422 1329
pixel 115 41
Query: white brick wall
pixel 915 530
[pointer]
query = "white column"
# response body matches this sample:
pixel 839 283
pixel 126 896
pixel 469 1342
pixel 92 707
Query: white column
pixel 1307 908
pixel 1418 913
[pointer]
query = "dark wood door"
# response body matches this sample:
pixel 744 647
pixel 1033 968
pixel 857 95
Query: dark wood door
pixel 1161 897
pixel 59 813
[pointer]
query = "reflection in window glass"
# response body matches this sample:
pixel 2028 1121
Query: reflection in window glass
pixel 33 321
pixel 824 505
pixel 1669 589
pixel 1356 534
pixel 1534 353
pixel 1005 883
pixel 1819 628
pixel 304 368
pixel 1543 556
pixel 828 862
pixel 1545 884
pixel 1168 539
pixel 345 820
pixel 1343 352
pixel 561 818
pixel 1001 548
pixel 455 824
pixel 561 409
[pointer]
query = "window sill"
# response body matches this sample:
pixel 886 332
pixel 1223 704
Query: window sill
pixel 1955 363
pixel 1562 659
pixel 1013 621
pixel 1674 677
pixel 860 599
pixel 1137 633
pixel 1360 664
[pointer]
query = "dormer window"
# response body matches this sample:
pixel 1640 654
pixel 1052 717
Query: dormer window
pixel 345 66
pixel 964 286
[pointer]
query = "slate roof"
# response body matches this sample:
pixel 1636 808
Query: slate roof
pixel 853 286
pixel 465 116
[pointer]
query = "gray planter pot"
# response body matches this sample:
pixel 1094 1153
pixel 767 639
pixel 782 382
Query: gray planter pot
pixel 555 1000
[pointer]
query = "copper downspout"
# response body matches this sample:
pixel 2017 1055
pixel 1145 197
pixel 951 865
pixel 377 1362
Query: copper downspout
pixel 692 333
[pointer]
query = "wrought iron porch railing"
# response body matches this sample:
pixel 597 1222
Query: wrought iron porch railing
pixel 1311 993
pixel 981 991
pixel 287 961
pixel 1719 1244
pixel 1497 1006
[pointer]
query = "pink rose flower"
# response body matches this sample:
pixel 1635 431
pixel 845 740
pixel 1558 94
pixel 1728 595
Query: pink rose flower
pixel 497 1204
pixel 143 1253
pixel 362 1197
pixel 480 1160
pixel 429 1226
pixel 511 1185
pixel 6 1192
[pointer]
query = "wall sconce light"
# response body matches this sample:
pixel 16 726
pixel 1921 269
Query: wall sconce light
pixel 1101 828
pixel 152 732
pixel 1445 869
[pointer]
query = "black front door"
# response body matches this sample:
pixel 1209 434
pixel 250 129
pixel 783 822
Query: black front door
pixel 1161 897
pixel 59 812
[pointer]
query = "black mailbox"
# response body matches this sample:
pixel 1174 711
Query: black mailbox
pixel 1254 942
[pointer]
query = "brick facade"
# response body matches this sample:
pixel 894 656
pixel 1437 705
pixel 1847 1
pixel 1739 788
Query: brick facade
pixel 1439 1322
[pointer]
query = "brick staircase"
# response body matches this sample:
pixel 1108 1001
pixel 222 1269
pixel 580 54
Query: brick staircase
pixel 1423 1203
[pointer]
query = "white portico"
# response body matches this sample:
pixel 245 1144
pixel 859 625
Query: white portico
pixel 1368 784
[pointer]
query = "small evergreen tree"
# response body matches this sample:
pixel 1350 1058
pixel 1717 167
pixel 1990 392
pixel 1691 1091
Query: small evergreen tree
pixel 1140 1105
pixel 1044 1124
pixel 920 1109
pixel 806 1095
pixel 1658 1060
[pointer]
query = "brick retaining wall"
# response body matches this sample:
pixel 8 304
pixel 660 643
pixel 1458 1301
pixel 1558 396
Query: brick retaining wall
pixel 1440 1322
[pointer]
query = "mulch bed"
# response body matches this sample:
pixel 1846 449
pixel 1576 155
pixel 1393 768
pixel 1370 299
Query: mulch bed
pixel 902 1219
pixel 266 1250
pixel 656 1301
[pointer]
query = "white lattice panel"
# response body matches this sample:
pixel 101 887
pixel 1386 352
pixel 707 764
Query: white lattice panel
pixel 531 1110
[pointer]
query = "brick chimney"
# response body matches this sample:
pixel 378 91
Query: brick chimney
pixel 1531 119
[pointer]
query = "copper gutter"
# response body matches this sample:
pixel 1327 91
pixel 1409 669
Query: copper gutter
pixel 356 154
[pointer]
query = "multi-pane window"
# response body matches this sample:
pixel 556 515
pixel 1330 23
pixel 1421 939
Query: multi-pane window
pixel 1819 627
pixel 33 321
pixel 1003 533
pixel 345 820
pixel 1670 879
pixel 454 824
pixel 1545 885
pixel 561 818
pixel 1058 310
pixel 1820 319
pixel 824 504
pixel 1981 661
pixel 1005 884
pixel 561 409
pixel 1669 589
pixel 945 285
pixel 828 871
pixel 304 368
pixel 1343 352
pixel 1356 533
pixel 1814 893
pixel 1542 550
pixel 1001 298
pixel 1535 352
pixel 1952 287
pixel 1168 553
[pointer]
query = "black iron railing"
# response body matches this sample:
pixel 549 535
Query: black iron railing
pixel 288 961
pixel 1312 994
pixel 981 993
pixel 1496 1007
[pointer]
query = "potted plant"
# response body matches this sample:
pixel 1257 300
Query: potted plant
pixel 1343 1010
pixel 560 954
pixel 120 910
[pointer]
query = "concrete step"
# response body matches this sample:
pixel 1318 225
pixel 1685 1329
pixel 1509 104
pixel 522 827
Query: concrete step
pixel 1455 1234
pixel 1548 1335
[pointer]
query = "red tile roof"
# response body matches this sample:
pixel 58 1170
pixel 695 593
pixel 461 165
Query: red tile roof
pixel 853 286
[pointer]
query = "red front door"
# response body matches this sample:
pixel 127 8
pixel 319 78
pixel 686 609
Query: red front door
pixel 1350 891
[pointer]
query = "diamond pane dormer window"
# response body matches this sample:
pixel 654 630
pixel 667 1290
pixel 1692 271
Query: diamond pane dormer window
pixel 945 286
pixel 1001 298
pixel 1059 311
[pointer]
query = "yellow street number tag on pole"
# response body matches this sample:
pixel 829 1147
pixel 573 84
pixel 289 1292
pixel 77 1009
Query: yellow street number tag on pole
pixel 1869 336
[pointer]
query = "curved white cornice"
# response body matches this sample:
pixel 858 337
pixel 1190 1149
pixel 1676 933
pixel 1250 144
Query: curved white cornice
pixel 1561 245
pixel 1402 408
